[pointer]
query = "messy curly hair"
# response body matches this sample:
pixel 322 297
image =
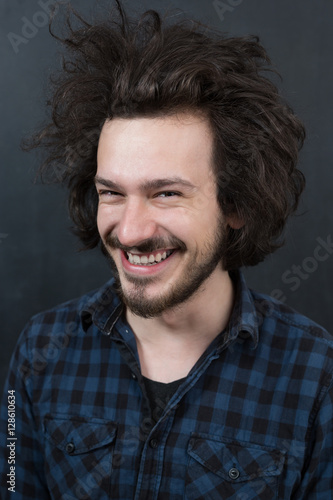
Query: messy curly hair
pixel 150 67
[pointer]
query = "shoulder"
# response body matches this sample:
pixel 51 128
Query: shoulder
pixel 285 316
pixel 58 335
pixel 69 317
pixel 293 335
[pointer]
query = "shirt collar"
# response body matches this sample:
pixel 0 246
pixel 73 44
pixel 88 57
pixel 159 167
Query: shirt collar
pixel 243 322
pixel 104 309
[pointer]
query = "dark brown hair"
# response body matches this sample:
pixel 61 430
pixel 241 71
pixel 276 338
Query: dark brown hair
pixel 151 67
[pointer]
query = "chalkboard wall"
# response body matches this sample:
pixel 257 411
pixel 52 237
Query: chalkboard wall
pixel 41 264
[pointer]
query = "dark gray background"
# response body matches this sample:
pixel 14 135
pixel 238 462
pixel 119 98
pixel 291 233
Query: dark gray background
pixel 40 264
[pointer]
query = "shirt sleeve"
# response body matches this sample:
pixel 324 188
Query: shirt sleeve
pixel 21 460
pixel 317 477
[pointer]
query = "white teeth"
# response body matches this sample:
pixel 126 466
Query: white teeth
pixel 136 259
pixel 146 261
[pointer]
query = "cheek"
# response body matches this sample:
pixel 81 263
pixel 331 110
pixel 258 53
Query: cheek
pixel 193 224
pixel 105 220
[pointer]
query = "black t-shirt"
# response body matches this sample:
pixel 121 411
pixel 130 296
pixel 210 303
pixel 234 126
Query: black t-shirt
pixel 159 394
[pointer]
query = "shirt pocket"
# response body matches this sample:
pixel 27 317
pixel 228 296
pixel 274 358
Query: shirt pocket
pixel 78 456
pixel 221 468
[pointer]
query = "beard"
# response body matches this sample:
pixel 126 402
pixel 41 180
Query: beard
pixel 195 273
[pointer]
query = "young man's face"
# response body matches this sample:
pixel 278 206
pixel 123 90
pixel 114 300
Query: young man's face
pixel 158 215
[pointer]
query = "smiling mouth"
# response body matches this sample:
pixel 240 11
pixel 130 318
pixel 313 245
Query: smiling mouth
pixel 148 259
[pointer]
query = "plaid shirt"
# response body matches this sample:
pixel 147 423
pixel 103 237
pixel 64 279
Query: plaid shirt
pixel 252 420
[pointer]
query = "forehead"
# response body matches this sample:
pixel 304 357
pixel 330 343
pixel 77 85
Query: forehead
pixel 144 147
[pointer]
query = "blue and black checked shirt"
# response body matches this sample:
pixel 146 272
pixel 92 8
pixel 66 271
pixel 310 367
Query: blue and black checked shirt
pixel 252 420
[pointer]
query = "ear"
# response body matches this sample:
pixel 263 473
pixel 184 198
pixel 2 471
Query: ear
pixel 234 221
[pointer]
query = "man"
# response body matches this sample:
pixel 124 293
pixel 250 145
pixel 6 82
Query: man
pixel 174 380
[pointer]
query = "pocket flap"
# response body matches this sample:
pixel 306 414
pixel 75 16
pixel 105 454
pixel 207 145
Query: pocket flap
pixel 236 461
pixel 76 434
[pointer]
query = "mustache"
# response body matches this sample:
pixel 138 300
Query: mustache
pixel 146 246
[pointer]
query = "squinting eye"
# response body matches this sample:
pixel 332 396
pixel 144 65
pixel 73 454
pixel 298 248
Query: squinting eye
pixel 166 194
pixel 108 193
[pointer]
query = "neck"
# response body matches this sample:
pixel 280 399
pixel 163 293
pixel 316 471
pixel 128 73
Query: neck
pixel 170 344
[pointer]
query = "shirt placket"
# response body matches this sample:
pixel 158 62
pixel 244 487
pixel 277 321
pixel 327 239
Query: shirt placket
pixel 155 446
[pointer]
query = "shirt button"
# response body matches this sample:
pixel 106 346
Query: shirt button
pixel 70 447
pixel 153 443
pixel 234 473
pixel 134 376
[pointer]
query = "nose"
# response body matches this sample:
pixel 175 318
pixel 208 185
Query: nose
pixel 136 223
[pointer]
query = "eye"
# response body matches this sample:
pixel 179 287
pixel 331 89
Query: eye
pixel 108 193
pixel 167 194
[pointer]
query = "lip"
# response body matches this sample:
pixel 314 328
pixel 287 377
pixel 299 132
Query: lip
pixel 145 270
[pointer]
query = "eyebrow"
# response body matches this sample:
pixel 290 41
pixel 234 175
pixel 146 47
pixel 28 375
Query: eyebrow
pixel 148 185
